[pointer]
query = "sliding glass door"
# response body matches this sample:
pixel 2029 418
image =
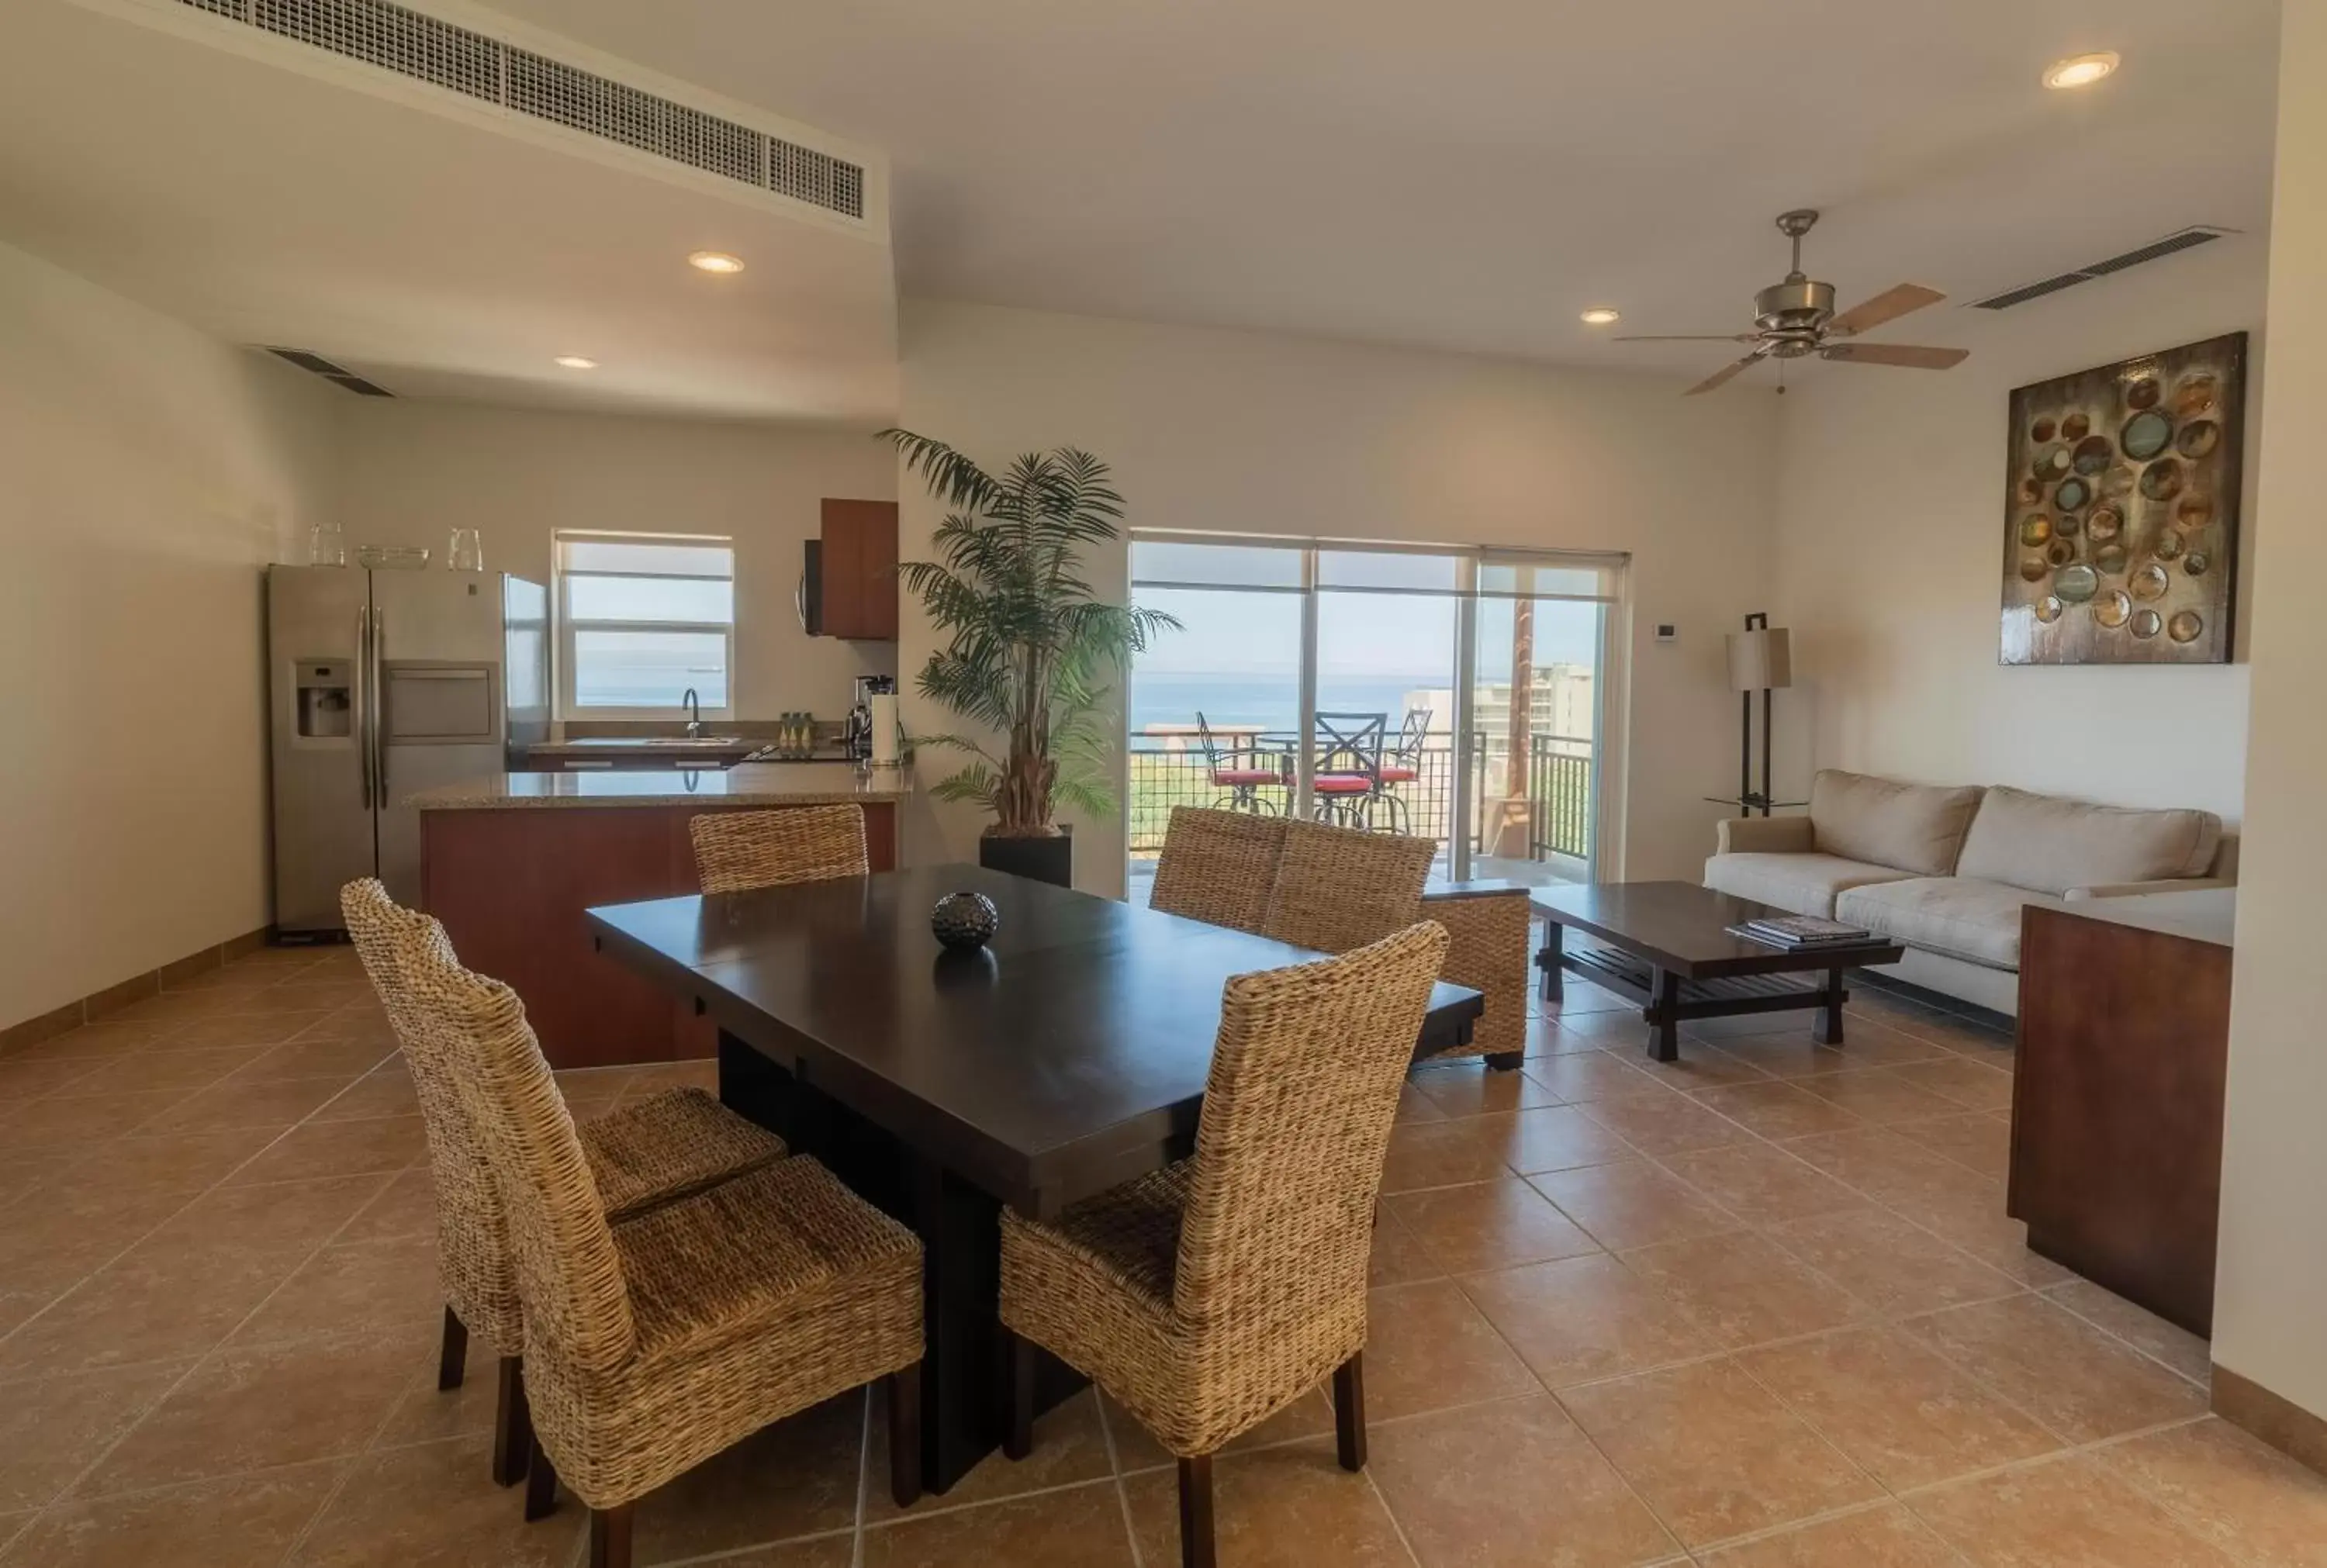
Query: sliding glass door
pixel 1453 694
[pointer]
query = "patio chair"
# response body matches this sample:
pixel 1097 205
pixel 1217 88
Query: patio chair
pixel 1348 775
pixel 1240 785
pixel 1403 765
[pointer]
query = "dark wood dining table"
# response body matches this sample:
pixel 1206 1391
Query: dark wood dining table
pixel 1068 1056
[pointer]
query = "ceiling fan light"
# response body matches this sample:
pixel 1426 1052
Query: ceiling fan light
pixel 1602 316
pixel 2081 70
pixel 716 261
pixel 577 362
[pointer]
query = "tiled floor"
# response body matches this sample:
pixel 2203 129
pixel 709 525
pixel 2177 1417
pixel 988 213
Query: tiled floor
pixel 1758 1308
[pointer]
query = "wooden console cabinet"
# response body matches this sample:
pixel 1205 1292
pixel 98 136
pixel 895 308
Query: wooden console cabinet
pixel 2116 1111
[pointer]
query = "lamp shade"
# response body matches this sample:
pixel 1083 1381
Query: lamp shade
pixel 1760 660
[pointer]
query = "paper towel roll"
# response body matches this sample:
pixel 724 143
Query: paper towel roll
pixel 884 707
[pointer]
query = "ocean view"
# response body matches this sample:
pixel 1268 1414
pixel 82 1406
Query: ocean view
pixel 1269 701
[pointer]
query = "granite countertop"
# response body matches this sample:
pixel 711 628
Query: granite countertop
pixel 747 784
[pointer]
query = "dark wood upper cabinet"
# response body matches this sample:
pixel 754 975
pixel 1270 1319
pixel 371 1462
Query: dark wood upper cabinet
pixel 853 581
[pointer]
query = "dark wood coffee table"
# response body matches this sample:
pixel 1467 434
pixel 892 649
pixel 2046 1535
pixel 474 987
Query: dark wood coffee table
pixel 1668 948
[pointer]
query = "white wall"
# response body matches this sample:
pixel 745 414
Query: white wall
pixel 2270 1309
pixel 1272 433
pixel 1891 554
pixel 147 474
pixel 411 472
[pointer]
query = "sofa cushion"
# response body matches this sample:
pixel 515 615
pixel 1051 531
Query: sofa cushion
pixel 1917 828
pixel 1804 884
pixel 1960 916
pixel 2052 845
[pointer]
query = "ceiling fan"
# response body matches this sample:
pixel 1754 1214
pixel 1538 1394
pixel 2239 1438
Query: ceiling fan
pixel 1797 318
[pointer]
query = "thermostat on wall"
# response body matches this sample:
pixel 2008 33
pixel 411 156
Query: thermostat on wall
pixel 1667 633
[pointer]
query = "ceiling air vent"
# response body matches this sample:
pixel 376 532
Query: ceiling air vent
pixel 476 65
pixel 2183 239
pixel 331 372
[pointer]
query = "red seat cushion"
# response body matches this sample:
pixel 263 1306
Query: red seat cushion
pixel 1342 784
pixel 1395 775
pixel 1231 777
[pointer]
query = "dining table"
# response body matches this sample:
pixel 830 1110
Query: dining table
pixel 1065 1056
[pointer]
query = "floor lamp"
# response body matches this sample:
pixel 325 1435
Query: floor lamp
pixel 1761 659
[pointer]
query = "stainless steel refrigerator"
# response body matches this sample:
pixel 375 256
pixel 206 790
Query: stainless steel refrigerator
pixel 383 683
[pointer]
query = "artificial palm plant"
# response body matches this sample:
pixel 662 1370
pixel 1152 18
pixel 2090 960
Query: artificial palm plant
pixel 1029 648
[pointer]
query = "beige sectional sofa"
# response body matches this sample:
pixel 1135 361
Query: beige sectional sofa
pixel 1946 871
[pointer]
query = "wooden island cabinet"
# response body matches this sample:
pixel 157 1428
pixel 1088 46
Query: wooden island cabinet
pixel 509 862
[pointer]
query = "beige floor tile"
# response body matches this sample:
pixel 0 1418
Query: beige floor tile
pixel 1778 1110
pixel 275 1106
pixel 1904 1415
pixel 384 1290
pixel 178 1164
pixel 1414 1106
pixel 1972 1219
pixel 247 1410
pixel 93 1041
pixel 1615 1027
pixel 1399 1255
pixel 323 1149
pixel 2245 1496
pixel 1881 1537
pixel 406 1208
pixel 1761 1184
pixel 1069 1448
pixel 825 1551
pixel 1879 1094
pixel 1714 1452
pixel 1796 1057
pixel 1577 997
pixel 1079 1527
pixel 143 1309
pixel 1578 1078
pixel 1974 1085
pixel 54 1428
pixel 2063 1512
pixel 241 1028
pixel 77 1227
pixel 1474 1090
pixel 1891 1169
pixel 427 1414
pixel 23 1081
pixel 1510 1485
pixel 1978 1140
pixel 1892 1265
pixel 148 1071
pixel 298 1215
pixel 73 1123
pixel 1633 1203
pixel 2145 1331
pixel 346 1060
pixel 1664 1126
pixel 1428 1348
pixel 1744 1289
pixel 1585 1317
pixel 797 1478
pixel 1444 1154
pixel 1488 1224
pixel 436 1506
pixel 2079 1381
pixel 1702 1065
pixel 225 1524
pixel 385 1091
pixel 1291 1506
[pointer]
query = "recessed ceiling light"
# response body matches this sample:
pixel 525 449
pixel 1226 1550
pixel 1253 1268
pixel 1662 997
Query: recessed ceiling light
pixel 1602 316
pixel 2081 70
pixel 717 261
pixel 577 363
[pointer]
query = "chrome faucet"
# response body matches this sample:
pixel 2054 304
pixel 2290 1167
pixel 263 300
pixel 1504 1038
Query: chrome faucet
pixel 693 706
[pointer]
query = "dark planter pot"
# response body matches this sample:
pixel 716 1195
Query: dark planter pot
pixel 1050 860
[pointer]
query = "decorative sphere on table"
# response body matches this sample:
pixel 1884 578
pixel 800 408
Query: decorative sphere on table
pixel 963 921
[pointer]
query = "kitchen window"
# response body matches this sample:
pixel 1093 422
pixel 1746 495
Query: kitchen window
pixel 642 618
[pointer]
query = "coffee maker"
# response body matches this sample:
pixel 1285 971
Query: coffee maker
pixel 871 733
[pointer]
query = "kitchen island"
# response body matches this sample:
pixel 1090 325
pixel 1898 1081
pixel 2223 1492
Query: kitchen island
pixel 509 861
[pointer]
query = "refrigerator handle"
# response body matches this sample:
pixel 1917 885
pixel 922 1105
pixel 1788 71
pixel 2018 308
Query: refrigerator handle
pixel 363 699
pixel 377 659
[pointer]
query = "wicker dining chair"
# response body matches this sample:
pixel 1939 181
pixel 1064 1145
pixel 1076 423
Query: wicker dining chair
pixel 1489 930
pixel 1206 1296
pixel 737 850
pixel 655 1344
pixel 665 1146
pixel 1218 866
pixel 1338 887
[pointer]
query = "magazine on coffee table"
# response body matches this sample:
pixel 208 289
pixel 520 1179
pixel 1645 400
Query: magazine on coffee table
pixel 1803 931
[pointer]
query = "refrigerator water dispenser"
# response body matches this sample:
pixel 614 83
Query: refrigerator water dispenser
pixel 325 700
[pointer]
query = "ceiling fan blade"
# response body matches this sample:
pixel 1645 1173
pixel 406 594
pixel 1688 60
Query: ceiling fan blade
pixel 1887 306
pixel 1914 355
pixel 1683 338
pixel 1723 375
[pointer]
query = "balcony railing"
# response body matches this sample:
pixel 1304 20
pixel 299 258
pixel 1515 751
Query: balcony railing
pixel 1168 770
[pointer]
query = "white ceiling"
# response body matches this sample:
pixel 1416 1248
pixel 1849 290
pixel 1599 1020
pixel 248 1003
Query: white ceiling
pixel 1466 174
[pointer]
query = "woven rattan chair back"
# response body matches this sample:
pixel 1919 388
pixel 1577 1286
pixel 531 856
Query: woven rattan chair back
pixel 1218 866
pixel 738 850
pixel 472 1255
pixel 577 1311
pixel 1304 1085
pixel 1338 889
